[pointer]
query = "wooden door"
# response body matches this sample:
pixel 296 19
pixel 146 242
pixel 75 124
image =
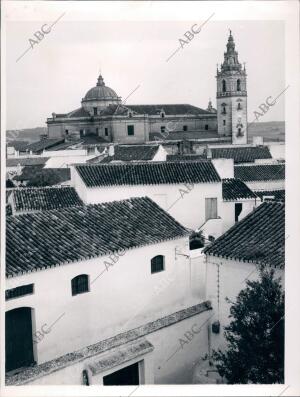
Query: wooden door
pixel 18 338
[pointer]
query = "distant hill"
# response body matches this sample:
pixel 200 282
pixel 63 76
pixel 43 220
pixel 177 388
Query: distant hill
pixel 270 130
pixel 28 134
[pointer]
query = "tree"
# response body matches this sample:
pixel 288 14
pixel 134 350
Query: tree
pixel 255 336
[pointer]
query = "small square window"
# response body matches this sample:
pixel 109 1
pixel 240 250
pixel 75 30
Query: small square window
pixel 80 284
pixel 18 292
pixel 130 129
pixel 157 264
pixel 185 128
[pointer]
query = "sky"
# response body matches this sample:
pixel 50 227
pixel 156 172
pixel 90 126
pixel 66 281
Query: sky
pixel 132 55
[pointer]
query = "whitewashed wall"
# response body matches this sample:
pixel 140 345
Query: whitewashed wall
pixel 189 210
pixel 228 211
pixel 233 275
pixel 123 297
pixel 266 185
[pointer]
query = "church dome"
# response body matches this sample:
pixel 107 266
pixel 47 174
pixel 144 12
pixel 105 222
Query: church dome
pixel 101 92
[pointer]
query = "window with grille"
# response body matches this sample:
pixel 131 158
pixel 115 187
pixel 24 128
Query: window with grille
pixel 157 264
pixel 19 291
pixel 130 129
pixel 80 284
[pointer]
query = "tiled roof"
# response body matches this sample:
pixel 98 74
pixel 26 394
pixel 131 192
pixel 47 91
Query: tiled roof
pixel 185 157
pixel 18 145
pixel 37 176
pixel 78 113
pixel 151 173
pixel 259 237
pixel 134 152
pixel 39 240
pixel 44 144
pixel 279 195
pixel 261 172
pixel 242 154
pixel 235 189
pixel 41 199
pixel 182 109
pixel 28 161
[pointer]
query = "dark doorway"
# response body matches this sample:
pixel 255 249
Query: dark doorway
pixel 18 338
pixel 237 210
pixel 125 376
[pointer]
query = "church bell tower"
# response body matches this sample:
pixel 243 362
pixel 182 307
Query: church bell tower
pixel 232 96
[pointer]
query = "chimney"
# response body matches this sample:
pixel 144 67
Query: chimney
pixel 208 153
pixel 258 141
pixel 111 150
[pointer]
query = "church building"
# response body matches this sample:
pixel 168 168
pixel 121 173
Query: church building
pixel 103 114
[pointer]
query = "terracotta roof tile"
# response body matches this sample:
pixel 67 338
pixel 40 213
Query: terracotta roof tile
pixel 26 161
pixel 42 199
pixel 185 157
pixel 260 172
pixel 133 153
pixel 44 144
pixel 235 189
pixel 151 173
pixel 242 154
pixel 279 195
pixel 259 237
pixel 39 240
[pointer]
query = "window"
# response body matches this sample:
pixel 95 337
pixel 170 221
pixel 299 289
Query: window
pixel 162 115
pixel 106 131
pixel 224 110
pixel 239 132
pixel 185 128
pixel 223 85
pixel 97 131
pixel 206 127
pixel 67 132
pixel 239 106
pixel 237 210
pixel 18 291
pixel 81 133
pixel 130 129
pixel 157 264
pixel 95 111
pixel 80 284
pixel 130 115
pixel 211 208
pixel 238 85
pixel 224 122
pixel 162 129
